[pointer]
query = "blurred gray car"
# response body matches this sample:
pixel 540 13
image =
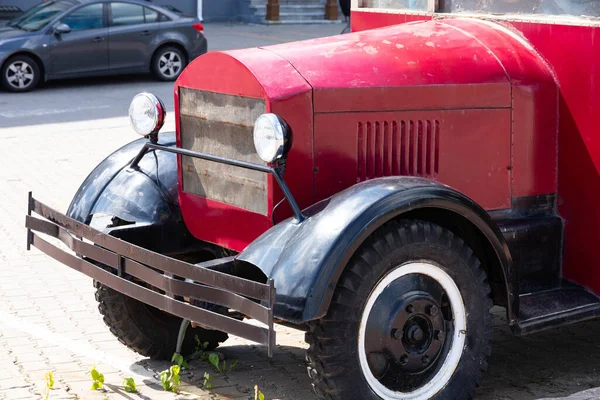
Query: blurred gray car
pixel 77 38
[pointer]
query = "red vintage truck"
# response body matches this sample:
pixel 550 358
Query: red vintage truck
pixel 381 190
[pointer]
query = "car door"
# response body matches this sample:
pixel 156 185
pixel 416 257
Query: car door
pixel 84 50
pixel 132 29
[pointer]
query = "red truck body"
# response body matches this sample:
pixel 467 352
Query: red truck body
pixel 554 142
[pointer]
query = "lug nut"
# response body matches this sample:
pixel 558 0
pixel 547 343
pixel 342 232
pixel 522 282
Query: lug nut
pixel 425 360
pixel 432 310
pixel 437 335
pixel 410 309
pixel 396 334
pixel 403 359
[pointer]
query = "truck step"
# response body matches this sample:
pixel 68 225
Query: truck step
pixel 551 308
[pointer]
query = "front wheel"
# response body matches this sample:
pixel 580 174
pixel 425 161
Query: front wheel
pixel 20 73
pixel 409 320
pixel 148 330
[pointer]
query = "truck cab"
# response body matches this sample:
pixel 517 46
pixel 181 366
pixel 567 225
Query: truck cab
pixel 381 190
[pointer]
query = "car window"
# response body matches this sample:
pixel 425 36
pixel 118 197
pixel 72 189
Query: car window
pixel 127 14
pixel 38 17
pixel 88 17
pixel 151 15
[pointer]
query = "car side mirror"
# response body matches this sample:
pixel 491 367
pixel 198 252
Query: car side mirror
pixel 60 29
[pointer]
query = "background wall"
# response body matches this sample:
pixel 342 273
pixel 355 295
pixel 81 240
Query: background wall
pixel 213 10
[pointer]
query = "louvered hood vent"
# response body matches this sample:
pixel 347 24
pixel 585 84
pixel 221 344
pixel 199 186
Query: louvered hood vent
pixel 388 148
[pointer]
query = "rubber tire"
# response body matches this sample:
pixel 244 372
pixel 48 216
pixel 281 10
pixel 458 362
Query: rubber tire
pixel 155 68
pixel 34 66
pixel 332 356
pixel 151 333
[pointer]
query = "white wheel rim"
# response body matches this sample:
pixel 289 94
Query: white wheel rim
pixel 19 74
pixel 439 381
pixel 169 64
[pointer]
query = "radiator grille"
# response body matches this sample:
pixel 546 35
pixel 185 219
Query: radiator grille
pixel 388 148
pixel 221 125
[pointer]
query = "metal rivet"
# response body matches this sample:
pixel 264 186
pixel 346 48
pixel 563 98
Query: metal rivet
pixel 396 334
pixel 410 309
pixel 425 360
pixel 403 359
pixel 432 310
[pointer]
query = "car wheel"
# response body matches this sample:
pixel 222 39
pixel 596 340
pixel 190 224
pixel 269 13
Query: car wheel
pixel 20 74
pixel 409 320
pixel 168 63
pixel 147 330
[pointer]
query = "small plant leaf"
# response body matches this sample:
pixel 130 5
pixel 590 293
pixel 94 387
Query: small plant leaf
pixel 179 360
pixel 95 374
pixel 258 395
pixel 129 385
pixel 208 380
pixel 50 380
pixel 213 358
pixel 97 379
pixel 49 383
pixel 204 345
pixel 233 364
pixel 164 380
pixel 175 374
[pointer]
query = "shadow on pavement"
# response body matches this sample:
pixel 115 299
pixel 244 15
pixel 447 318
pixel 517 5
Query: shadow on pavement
pixel 554 363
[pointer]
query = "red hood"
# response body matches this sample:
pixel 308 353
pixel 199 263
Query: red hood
pixel 448 52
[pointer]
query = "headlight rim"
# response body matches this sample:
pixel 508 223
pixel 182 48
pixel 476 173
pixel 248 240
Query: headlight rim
pixel 160 114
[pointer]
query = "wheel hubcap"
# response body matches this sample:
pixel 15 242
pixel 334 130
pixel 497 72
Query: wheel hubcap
pixel 412 332
pixel 19 74
pixel 169 64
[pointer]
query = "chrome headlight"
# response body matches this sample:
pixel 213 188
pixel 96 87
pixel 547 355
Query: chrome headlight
pixel 271 137
pixel 146 114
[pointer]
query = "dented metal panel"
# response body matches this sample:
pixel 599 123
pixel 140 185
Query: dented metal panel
pixel 221 125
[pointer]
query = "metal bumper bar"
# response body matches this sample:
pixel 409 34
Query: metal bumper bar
pixel 133 271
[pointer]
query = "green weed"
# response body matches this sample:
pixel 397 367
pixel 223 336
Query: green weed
pixel 49 383
pixel 129 385
pixel 97 379
pixel 258 395
pixel 170 379
pixel 208 380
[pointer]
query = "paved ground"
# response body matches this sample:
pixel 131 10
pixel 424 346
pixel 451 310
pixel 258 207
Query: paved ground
pixel 49 140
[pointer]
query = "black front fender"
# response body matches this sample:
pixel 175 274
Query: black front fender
pixel 144 199
pixel 306 260
pixel 136 195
